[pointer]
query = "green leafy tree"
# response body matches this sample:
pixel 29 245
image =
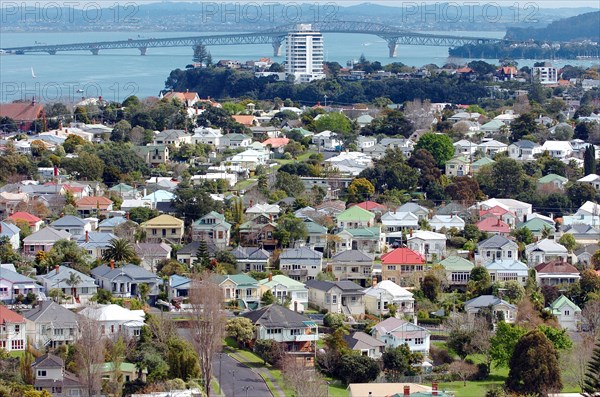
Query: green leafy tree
pixel 523 235
pixel 85 166
pixel 523 125
pixel 269 350
pixel 390 123
pixel 360 189
pixel 580 192
pixel 399 362
pixel 72 143
pixel 480 281
pixel 120 250
pixel 358 369
pixel 392 172
pixel 290 229
pixel 334 320
pixel 200 54
pixel 142 214
pixel 504 342
pixel 193 202
pixel 202 255
pixel 120 132
pixel 589 160
pixel 534 366
pixel 335 122
pixel 182 360
pixel 267 298
pixel 440 146
pixel 568 240
pixel 241 329
pixel 291 184
pixel 431 287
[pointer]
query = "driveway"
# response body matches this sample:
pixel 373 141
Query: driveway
pixel 237 380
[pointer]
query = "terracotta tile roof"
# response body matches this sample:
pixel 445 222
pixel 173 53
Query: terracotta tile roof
pixel 371 205
pixel 276 142
pixel 24 111
pixel 26 216
pixel 247 120
pixel 9 316
pixel 93 201
pixel 402 256
pixel 556 267
pixel 464 69
pixel 493 224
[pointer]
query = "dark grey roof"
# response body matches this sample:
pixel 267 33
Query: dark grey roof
pixel 589 248
pixel 276 316
pixel 352 256
pixel 496 241
pixel 48 361
pixel 525 144
pixel 133 271
pixel 344 285
pixel 49 311
pixel 255 253
pixel 360 340
pixel 68 220
pixel 165 207
pixel 300 252
pixel 192 248
pixel 580 229
pixel 452 208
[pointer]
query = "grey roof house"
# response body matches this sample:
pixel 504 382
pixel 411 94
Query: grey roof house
pixel 336 297
pixel 124 282
pixel 50 325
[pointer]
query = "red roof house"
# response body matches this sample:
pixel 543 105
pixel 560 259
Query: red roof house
pixel 89 205
pixel 556 272
pixel 34 222
pixel 399 264
pixel 371 206
pixel 493 225
pixel 23 113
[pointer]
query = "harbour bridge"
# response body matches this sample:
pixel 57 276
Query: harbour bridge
pixel 276 36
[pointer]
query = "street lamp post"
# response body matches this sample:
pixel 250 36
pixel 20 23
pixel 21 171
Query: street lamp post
pixel 246 388
pixel 232 372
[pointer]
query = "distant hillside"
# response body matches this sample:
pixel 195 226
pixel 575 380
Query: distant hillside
pixel 577 28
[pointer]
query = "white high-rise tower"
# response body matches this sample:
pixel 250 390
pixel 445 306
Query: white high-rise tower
pixel 304 54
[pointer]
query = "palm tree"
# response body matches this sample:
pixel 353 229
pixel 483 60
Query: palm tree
pixel 72 282
pixel 119 250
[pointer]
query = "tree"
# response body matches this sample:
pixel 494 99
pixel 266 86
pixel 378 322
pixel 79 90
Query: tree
pixel 590 316
pixel 200 53
pixel 302 380
pixel 202 256
pixel 400 361
pixel 392 123
pixel 142 214
pixel 73 281
pixel 269 350
pixel 568 240
pixel 182 360
pixel 335 122
pixel 241 329
pixel 479 282
pixel 120 250
pixel 431 287
pixel 504 342
pixel 290 229
pixel 440 146
pixel 357 369
pixel 89 355
pixel 267 298
pixel 580 192
pixel 334 320
pixel 534 367
pixel 85 166
pixel 120 132
pixel 193 202
pixel 72 143
pixel 574 361
pixel 523 235
pixel 523 125
pixel 592 376
pixel 589 160
pixel 462 370
pixel 207 322
pixel 291 184
pixel 360 189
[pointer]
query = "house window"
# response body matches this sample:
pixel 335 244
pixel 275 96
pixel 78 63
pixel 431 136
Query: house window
pixel 419 341
pixel 17 344
pixel 249 292
pixel 136 332
pixel 41 373
pixel 173 231
pixel 509 254
pixel 567 313
pixel 391 267
pixel 220 235
pixel 334 299
pixel 154 232
pixel 17 328
pixel 488 254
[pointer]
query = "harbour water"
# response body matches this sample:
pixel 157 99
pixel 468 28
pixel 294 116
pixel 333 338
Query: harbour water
pixel 116 74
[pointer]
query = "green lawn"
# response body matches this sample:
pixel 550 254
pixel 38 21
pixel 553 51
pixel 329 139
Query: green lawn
pixel 245 184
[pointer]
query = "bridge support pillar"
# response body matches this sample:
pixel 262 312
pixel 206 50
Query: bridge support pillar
pixel 393 47
pixel 52 52
pixel 276 48
pixel 95 51
pixel 143 50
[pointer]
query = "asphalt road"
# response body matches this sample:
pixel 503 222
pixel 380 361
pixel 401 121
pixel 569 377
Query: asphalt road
pixel 237 380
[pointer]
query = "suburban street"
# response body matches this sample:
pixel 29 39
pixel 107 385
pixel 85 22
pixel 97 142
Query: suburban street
pixel 237 380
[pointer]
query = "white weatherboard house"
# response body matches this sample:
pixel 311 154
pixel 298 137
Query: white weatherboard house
pixel 567 313
pixel 378 297
pixel 395 332
pixel 114 319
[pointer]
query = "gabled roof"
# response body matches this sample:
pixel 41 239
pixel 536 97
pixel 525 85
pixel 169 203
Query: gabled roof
pixel 362 341
pixel 536 225
pixel 355 213
pixel 26 216
pixel 526 144
pixel 122 187
pixel 482 161
pixel 21 111
pixel 94 201
pixel 113 222
pixel 177 281
pixel 238 279
pixel 59 279
pixel 14 277
pixel 300 253
pixel 551 178
pixel 560 302
pixel 344 285
pixel 114 313
pixel 546 245
pixel 492 224
pixel 353 255
pixel 47 234
pixel 280 279
pixel 8 316
pixel 135 272
pixel 457 263
pixel 401 256
pixel 371 205
pixel 48 361
pixel 508 264
pixel 8 229
pixel 159 195
pixel 69 220
pixel 589 248
pixel 165 221
pixel 411 207
pixel 50 312
pixel 276 316
pixel 496 241
pixel 390 287
pixel 485 301
pixel 255 253
pixel 557 266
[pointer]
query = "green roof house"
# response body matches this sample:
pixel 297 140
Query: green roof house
pixel 355 217
pixel 239 287
pixel 458 270
pixel 284 288
pixel 567 313
pixel 552 182
pixel 476 165
pixel 458 166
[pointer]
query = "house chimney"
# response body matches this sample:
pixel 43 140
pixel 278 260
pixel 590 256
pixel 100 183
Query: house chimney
pixel 406 390
pixel 270 217
pixel 270 277
pixel 296 306
pixel 434 389
pixel 374 282
pixel 411 233
pixel 112 263
pixel 251 203
pixel 127 215
pixel 57 268
pixel 32 101
pixel 87 236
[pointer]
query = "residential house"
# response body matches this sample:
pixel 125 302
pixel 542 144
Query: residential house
pixel 355 217
pixel 458 166
pixel 501 213
pixel 524 150
pixel 458 270
pixel 393 390
pixel 153 155
pixel 492 147
pixel 178 287
pixel 43 240
pixel 96 243
pixel 369 239
pixel 270 210
pixel 538 226
pixel 163 228
pixel 414 208
pixel 583 234
pixel 372 206
pixel 125 281
pixel 343 296
pixel 212 227
pixel 584 254
pixel 127 371
pixel 249 159
pixel 301 263
pixel 399 221
pixel 76 286
pixel 400 264
pixel 365 142
pixel 235 141
pixel 317 235
pixel 430 245
pixel 354 265
pixel 331 208
pixel 285 290
pixel 503 270
pixel 259 231
pixel 544 251
pixel 151 254
pixel 51 376
pixel 327 140
pixel 519 208
pixel 482 162
pixel 587 214
pixel 24 114
pixel 558 149
pixel 114 319
pixel 492 225
pixel 295 333
pixel 552 183
pixel 245 119
pixel 93 206
pixel 566 312
pixel 172 137
pixel 125 191
pixel 456 209
pixel 208 136
pixel 240 288
pixel 34 222
pixel 72 224
pixel 49 324
pixel 109 225
pixel 13 284
pixel 464 148
pixel 556 272
pixel 12 233
pixel 158 196
pixel 501 309
pixel 12 330
pixel 9 201
pixel 592 179
pixel 446 222
pixel 496 248
pixel 380 296
pixel 251 259
pixel 395 332
pixel 365 344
